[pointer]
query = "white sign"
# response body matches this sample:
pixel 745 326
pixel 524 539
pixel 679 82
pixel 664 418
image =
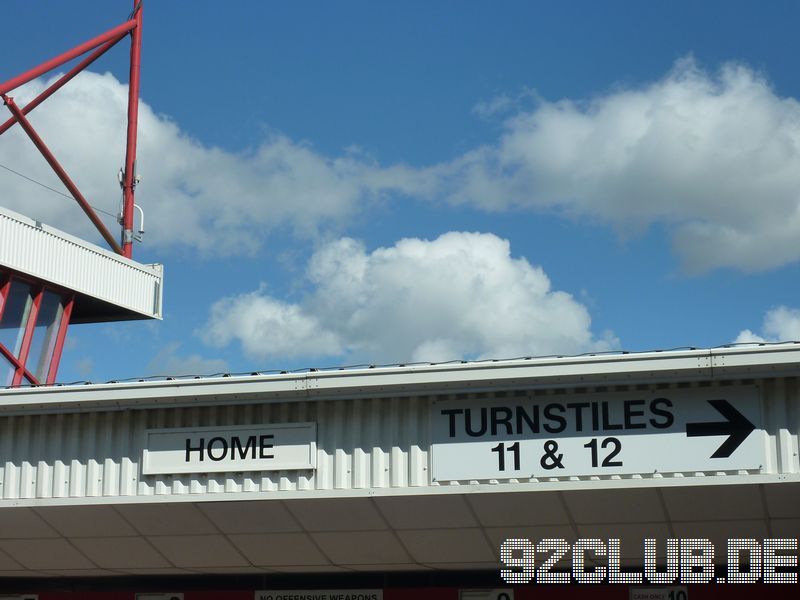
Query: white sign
pixel 667 592
pixel 274 447
pixel 319 595
pixel 645 432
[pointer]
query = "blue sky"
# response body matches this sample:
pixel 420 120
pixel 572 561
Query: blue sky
pixel 340 183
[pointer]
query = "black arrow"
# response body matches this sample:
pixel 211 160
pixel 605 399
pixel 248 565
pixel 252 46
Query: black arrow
pixel 737 428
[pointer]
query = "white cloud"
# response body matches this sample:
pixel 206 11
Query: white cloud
pixel 266 326
pixel 461 295
pixel 781 324
pixel 208 199
pixel 170 362
pixel 716 158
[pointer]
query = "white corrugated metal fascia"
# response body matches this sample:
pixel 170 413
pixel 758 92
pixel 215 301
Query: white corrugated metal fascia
pixel 364 447
pixel 624 369
pixel 30 247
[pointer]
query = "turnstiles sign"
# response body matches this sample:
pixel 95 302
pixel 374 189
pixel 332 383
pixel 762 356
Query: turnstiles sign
pixel 631 432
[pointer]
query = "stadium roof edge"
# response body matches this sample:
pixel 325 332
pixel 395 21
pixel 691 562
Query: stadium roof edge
pixel 748 362
pixel 107 286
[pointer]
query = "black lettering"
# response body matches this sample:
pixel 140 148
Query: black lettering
pixel 630 414
pixel 263 446
pixel 607 424
pixel 578 408
pixel 532 423
pixel 501 457
pixel 468 423
pixel 498 420
pixel 236 445
pixel 612 441
pixel 452 412
pixel 199 449
pixel 669 418
pixel 595 417
pixel 210 449
pixel 562 422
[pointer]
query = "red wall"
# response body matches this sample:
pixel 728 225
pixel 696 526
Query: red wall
pixel 527 592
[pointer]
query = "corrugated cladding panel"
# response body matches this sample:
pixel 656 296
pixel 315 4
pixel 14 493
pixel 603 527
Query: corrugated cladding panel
pixel 362 444
pixel 56 257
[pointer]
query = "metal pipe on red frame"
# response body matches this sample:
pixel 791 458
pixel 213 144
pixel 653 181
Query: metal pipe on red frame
pixel 27 337
pixel 67 56
pixel 62 174
pixel 61 337
pixel 129 181
pixel 63 80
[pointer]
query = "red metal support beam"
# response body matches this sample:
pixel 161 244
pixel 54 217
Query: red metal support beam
pixel 18 368
pixel 26 374
pixel 129 178
pixel 5 285
pixel 100 45
pixel 27 337
pixel 62 174
pixel 59 60
pixel 63 80
pixel 10 357
pixel 61 336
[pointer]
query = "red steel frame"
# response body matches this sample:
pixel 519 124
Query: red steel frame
pixel 97 46
pixel 100 44
pixel 20 363
pixel 61 336
pixel 5 283
pixel 62 174
pixel 27 337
